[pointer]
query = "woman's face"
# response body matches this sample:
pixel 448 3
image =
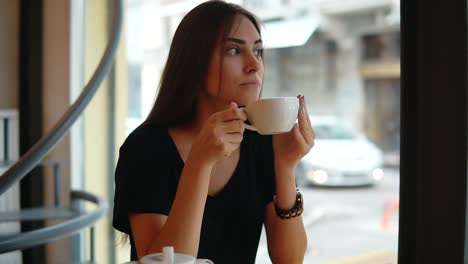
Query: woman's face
pixel 240 77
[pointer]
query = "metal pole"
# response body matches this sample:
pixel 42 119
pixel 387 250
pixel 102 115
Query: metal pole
pixel 6 151
pixel 55 232
pixel 56 168
pixel 91 242
pixel 40 149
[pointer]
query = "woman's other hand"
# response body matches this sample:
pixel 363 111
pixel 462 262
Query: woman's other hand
pixel 291 147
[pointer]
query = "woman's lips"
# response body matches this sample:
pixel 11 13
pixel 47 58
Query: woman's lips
pixel 251 84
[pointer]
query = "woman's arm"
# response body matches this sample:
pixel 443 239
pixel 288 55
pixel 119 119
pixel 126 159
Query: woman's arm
pixel 221 134
pixel 181 228
pixel 287 240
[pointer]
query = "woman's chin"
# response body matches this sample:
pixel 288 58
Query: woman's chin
pixel 246 101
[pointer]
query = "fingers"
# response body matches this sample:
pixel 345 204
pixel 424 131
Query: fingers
pixel 230 128
pixel 232 113
pixel 229 143
pixel 231 120
pixel 235 139
pixel 305 126
pixel 234 126
pixel 232 105
pixel 298 135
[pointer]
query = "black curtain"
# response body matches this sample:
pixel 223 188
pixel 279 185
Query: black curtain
pixel 433 167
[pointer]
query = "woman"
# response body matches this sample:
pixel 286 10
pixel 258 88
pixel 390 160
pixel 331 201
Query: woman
pixel 190 176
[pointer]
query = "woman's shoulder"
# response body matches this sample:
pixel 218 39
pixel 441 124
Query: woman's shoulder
pixel 146 136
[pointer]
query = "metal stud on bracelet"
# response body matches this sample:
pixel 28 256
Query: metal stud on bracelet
pixel 295 211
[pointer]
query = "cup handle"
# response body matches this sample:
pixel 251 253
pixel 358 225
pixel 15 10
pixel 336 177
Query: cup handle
pixel 249 127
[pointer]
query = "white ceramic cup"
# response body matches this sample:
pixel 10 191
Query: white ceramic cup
pixel 273 115
pixel 169 257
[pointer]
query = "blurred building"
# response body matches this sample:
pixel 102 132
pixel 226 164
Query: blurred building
pixel 344 56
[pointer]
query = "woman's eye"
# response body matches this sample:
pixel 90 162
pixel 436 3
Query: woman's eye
pixel 258 52
pixel 233 51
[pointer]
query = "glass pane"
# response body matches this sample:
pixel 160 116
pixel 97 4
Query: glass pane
pixel 345 59
pixel 349 71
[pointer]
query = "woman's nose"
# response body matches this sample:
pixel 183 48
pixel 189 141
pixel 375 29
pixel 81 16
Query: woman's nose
pixel 253 63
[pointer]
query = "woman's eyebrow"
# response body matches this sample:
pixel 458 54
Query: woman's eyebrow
pixel 240 41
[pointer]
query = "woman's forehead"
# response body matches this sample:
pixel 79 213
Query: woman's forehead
pixel 243 28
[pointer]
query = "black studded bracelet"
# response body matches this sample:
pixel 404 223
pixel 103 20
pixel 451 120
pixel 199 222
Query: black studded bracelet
pixel 297 209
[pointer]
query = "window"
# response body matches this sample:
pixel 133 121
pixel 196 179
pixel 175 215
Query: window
pixel 348 69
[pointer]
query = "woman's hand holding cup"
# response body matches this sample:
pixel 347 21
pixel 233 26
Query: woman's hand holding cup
pixel 291 147
pixel 221 134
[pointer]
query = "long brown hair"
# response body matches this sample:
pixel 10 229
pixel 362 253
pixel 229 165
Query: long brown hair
pixel 186 69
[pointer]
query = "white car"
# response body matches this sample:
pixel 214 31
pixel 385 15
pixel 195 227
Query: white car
pixel 340 157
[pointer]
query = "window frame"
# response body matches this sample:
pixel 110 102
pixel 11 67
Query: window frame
pixel 433 151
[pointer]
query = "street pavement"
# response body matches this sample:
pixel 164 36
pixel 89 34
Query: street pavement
pixel 344 222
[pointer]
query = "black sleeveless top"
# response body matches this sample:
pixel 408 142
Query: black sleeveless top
pixel 146 179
